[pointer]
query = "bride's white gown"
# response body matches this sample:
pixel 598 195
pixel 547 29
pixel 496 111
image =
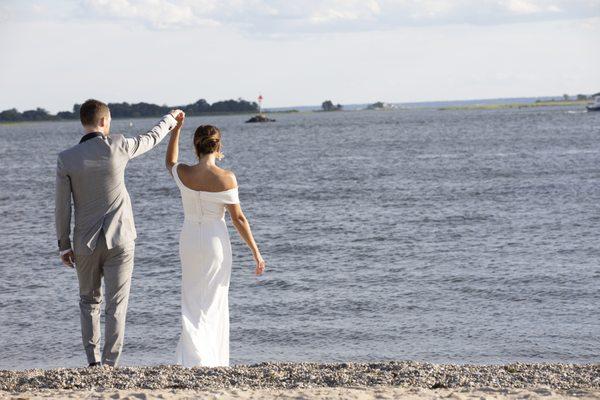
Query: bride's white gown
pixel 205 253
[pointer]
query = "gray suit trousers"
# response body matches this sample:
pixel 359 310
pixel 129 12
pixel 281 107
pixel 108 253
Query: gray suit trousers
pixel 116 265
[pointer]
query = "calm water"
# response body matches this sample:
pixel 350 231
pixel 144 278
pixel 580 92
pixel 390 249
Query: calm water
pixel 454 236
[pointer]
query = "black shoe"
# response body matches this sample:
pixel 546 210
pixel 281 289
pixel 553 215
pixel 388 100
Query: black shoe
pixel 95 364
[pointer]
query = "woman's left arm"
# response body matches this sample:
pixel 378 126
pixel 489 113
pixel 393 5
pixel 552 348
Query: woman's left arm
pixel 173 147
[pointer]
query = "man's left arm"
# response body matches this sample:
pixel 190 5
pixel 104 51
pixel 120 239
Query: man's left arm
pixel 146 141
pixel 62 213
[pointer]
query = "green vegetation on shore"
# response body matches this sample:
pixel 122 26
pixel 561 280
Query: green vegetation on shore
pixel 551 103
pixel 135 110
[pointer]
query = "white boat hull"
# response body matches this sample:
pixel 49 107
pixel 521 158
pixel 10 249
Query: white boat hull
pixel 595 105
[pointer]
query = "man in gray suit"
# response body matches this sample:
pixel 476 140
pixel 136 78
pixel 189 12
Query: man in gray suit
pixel 93 173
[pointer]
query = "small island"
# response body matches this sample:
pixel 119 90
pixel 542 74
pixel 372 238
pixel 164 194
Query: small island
pixel 260 118
pixel 329 106
pixel 380 105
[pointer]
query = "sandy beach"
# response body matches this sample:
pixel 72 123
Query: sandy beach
pixel 386 380
pixel 380 392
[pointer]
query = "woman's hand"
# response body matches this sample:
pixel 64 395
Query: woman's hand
pixel 243 227
pixel 180 118
pixel 260 265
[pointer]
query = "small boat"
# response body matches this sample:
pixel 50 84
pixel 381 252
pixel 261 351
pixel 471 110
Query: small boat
pixel 595 105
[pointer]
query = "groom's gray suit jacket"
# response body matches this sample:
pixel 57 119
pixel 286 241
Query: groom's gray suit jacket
pixel 93 172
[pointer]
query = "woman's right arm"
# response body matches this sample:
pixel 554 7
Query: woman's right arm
pixel 243 227
pixel 173 148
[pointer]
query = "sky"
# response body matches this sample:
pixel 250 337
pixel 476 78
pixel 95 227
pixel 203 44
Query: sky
pixel 54 53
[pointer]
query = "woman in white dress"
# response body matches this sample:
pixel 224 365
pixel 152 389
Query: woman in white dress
pixel 204 248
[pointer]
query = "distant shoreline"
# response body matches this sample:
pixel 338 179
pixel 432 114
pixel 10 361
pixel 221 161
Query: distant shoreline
pixel 135 110
pixel 561 103
pixel 225 114
pixel 138 118
pixel 466 107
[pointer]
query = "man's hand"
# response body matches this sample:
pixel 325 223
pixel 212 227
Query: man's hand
pixel 175 113
pixel 68 259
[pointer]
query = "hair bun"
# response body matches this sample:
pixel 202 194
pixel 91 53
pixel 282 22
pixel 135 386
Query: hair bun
pixel 207 139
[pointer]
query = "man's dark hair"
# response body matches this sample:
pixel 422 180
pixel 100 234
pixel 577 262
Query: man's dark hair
pixel 91 111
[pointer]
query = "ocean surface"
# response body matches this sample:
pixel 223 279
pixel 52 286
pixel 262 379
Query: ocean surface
pixel 442 236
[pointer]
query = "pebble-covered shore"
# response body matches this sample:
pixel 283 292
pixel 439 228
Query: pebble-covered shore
pixel 306 375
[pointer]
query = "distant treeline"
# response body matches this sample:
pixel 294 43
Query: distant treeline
pixel 137 110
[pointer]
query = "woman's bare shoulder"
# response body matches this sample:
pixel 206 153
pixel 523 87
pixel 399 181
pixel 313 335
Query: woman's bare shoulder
pixel 228 179
pixel 183 169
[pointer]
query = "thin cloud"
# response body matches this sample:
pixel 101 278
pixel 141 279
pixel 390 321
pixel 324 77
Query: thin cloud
pixel 159 14
pixel 285 17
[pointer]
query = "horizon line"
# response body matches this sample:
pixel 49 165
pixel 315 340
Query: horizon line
pixel 347 104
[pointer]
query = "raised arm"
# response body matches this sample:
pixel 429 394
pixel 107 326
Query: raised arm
pixel 62 213
pixel 243 227
pixel 146 141
pixel 173 148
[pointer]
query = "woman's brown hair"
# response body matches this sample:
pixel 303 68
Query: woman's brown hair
pixel 207 140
